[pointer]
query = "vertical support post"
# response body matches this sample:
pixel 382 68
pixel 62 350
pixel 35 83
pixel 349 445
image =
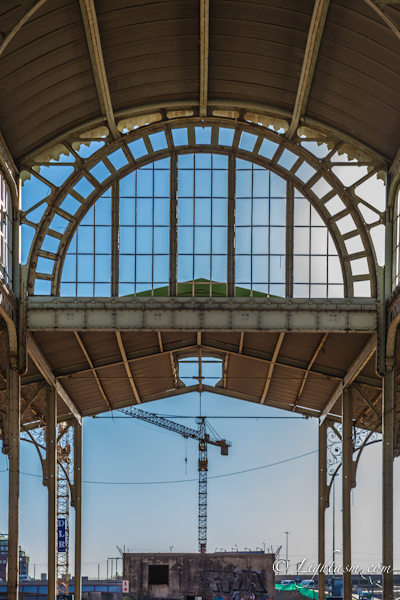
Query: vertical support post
pixel 51 456
pixel 173 239
pixel 321 508
pixel 231 224
pixel 289 239
pixel 78 510
pixel 389 424
pixel 14 418
pixel 115 238
pixel 347 457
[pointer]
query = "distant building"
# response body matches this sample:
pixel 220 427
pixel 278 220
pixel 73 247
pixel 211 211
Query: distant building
pixel 226 576
pixel 23 559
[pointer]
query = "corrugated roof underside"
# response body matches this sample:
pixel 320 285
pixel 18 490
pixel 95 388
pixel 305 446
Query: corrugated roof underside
pixel 357 77
pixel 247 375
pixel 151 55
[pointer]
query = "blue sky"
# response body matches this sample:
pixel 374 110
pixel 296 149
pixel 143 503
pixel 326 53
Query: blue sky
pixel 245 509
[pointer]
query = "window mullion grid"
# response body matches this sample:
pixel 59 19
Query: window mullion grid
pixel 231 226
pixel 136 232
pixel 153 232
pixel 194 226
pixel 115 239
pixel 173 232
pixel 94 248
pixel 309 251
pixel 289 238
pixel 327 265
pixel 211 227
pixel 269 234
pixel 251 230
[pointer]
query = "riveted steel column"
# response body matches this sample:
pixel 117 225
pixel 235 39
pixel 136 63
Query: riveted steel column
pixel 51 456
pixel 389 423
pixel 115 239
pixel 289 239
pixel 78 509
pixel 347 457
pixel 14 418
pixel 173 223
pixel 321 507
pixel 231 224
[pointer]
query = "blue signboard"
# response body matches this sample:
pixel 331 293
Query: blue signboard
pixel 337 586
pixel 61 534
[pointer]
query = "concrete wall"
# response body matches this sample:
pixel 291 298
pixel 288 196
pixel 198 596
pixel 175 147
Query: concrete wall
pixel 237 576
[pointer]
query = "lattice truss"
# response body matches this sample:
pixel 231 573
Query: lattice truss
pixel 344 184
pixel 63 501
pixel 37 437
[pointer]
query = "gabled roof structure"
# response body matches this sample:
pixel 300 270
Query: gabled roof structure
pixel 200 179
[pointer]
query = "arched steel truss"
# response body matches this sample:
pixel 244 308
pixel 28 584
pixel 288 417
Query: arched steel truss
pixel 323 176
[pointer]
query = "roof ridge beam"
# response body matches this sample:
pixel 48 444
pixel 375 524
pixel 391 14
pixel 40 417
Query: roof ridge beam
pixel 377 6
pixel 355 368
pixel 85 352
pixel 204 45
pixel 127 367
pixel 41 362
pixel 7 39
pixel 310 364
pixel 272 366
pixel 310 59
pixel 96 57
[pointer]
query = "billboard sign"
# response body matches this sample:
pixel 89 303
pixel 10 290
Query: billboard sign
pixel 61 546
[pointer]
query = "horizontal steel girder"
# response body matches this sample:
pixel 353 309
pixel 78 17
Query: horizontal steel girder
pixel 187 314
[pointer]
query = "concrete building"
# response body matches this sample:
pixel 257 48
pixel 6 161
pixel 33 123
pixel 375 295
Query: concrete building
pixel 236 575
pixel 23 560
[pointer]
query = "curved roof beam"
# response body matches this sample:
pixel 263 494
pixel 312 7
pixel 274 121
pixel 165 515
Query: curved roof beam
pixel 96 57
pixel 378 7
pixel 36 5
pixel 310 59
pixel 204 36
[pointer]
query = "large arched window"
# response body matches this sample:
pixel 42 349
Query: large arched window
pixel 190 209
pixel 122 245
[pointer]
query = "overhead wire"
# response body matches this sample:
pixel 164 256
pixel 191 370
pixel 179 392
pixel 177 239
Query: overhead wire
pixel 281 462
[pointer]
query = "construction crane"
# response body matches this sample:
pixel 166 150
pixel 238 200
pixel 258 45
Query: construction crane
pixel 203 438
pixel 64 443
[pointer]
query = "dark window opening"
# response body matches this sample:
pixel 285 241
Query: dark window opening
pixel 158 575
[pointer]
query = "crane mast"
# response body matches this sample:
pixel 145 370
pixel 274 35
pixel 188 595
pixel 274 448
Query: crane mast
pixel 203 438
pixel 203 468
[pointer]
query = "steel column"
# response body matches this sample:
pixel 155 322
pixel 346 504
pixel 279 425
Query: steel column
pixel 321 507
pixel 231 224
pixel 389 424
pixel 51 456
pixel 347 457
pixel 115 239
pixel 289 239
pixel 78 509
pixel 173 223
pixel 14 418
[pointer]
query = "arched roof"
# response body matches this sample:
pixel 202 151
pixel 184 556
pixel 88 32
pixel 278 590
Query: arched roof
pixel 64 63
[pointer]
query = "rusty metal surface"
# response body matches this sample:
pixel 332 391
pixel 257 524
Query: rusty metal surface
pixel 153 376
